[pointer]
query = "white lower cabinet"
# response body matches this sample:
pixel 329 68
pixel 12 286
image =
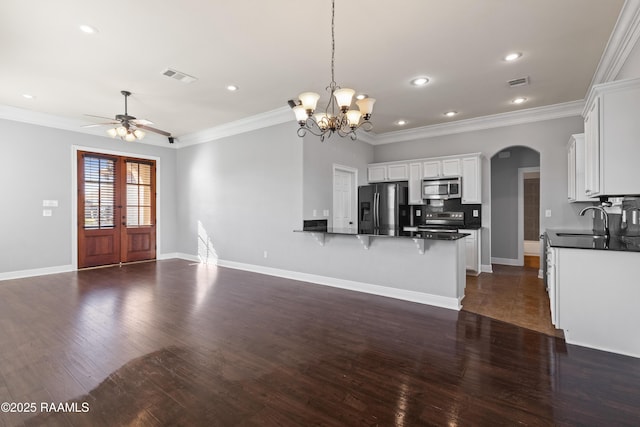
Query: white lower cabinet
pixel 594 298
pixel 472 251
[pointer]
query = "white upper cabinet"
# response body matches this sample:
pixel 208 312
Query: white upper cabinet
pixel 466 166
pixel 431 169
pixel 415 183
pixel 471 180
pixel 388 172
pixel 377 173
pixel 451 167
pixel 437 168
pixel 398 172
pixel 612 130
pixel 575 170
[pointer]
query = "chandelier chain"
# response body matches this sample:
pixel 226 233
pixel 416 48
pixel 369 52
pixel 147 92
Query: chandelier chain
pixel 333 42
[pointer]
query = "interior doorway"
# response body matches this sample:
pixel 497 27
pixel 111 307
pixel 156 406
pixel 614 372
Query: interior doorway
pixel 116 209
pixel 529 215
pixel 345 196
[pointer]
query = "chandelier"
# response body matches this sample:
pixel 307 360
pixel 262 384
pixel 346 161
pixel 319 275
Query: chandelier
pixel 337 117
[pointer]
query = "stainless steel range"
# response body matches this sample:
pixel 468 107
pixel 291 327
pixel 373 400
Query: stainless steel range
pixel 442 222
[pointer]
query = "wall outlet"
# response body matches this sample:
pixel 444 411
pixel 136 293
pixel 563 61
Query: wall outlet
pixel 47 212
pixel 418 212
pixel 325 212
pixel 547 213
pixel 475 213
pixel 266 254
pixel 315 213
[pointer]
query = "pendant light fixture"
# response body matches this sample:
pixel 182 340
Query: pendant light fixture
pixel 337 117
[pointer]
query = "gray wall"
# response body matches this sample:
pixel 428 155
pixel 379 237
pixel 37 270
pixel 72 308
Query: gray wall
pixel 243 196
pixel 548 137
pixel 36 166
pixel 318 160
pixel 504 199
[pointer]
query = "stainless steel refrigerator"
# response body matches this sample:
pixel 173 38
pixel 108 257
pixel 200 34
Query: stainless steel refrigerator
pixel 383 208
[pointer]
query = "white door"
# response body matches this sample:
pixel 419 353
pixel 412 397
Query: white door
pixel 344 198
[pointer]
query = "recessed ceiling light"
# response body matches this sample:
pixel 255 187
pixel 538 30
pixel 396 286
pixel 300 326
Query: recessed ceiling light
pixel 450 113
pixel 401 122
pixel 519 100
pixel 28 96
pixel 512 56
pixel 232 88
pixel 420 81
pixel 361 96
pixel 88 29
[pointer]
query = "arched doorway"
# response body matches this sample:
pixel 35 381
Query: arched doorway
pixel 515 205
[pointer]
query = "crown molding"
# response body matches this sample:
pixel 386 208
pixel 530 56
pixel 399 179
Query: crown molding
pixel 623 38
pixel 73 125
pixel 530 115
pixel 259 121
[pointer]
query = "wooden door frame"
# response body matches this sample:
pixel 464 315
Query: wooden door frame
pixel 74 194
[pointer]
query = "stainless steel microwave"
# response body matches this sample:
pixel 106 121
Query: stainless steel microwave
pixel 442 188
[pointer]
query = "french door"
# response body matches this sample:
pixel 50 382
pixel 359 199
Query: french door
pixel 116 209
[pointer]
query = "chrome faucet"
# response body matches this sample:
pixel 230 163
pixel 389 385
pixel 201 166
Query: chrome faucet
pixel 604 212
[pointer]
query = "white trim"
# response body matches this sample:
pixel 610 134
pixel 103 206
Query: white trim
pixel 540 274
pixel 521 173
pixel 283 115
pixel 486 268
pixel 507 261
pixel 568 340
pixel 354 191
pixel 258 121
pixel 401 294
pixel 74 194
pixel 57 122
pixel 181 255
pixel 20 274
pixel 530 115
pixel 622 40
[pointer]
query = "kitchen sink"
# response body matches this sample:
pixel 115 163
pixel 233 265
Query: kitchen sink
pixel 591 236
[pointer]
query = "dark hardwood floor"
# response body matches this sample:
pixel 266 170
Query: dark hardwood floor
pixel 171 343
pixel 512 294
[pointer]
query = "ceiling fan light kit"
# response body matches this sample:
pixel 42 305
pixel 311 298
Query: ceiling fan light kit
pixel 129 128
pixel 337 117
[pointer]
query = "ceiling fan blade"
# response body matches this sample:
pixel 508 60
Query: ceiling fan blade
pixel 154 130
pixel 100 117
pixel 100 124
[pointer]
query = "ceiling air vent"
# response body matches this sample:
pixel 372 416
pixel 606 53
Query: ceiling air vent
pixel 522 81
pixel 178 75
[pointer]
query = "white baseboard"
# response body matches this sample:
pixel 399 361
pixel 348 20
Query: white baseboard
pixel 402 294
pixel 507 261
pixel 486 268
pixel 20 274
pixel 180 255
pixel 569 340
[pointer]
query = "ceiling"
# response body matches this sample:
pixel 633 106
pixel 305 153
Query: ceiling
pixel 273 50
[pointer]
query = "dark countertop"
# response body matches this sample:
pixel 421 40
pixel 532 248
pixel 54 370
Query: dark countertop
pixel 396 234
pixel 586 239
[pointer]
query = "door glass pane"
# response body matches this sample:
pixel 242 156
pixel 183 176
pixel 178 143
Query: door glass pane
pixel 99 192
pixel 139 197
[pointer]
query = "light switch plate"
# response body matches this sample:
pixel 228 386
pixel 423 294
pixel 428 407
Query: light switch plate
pixel 547 213
pixel 475 213
pixel 418 212
pixel 50 203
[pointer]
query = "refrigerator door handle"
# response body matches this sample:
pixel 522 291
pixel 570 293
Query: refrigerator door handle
pixel 376 211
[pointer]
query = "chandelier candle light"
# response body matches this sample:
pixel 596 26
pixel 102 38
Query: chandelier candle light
pixel 337 116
